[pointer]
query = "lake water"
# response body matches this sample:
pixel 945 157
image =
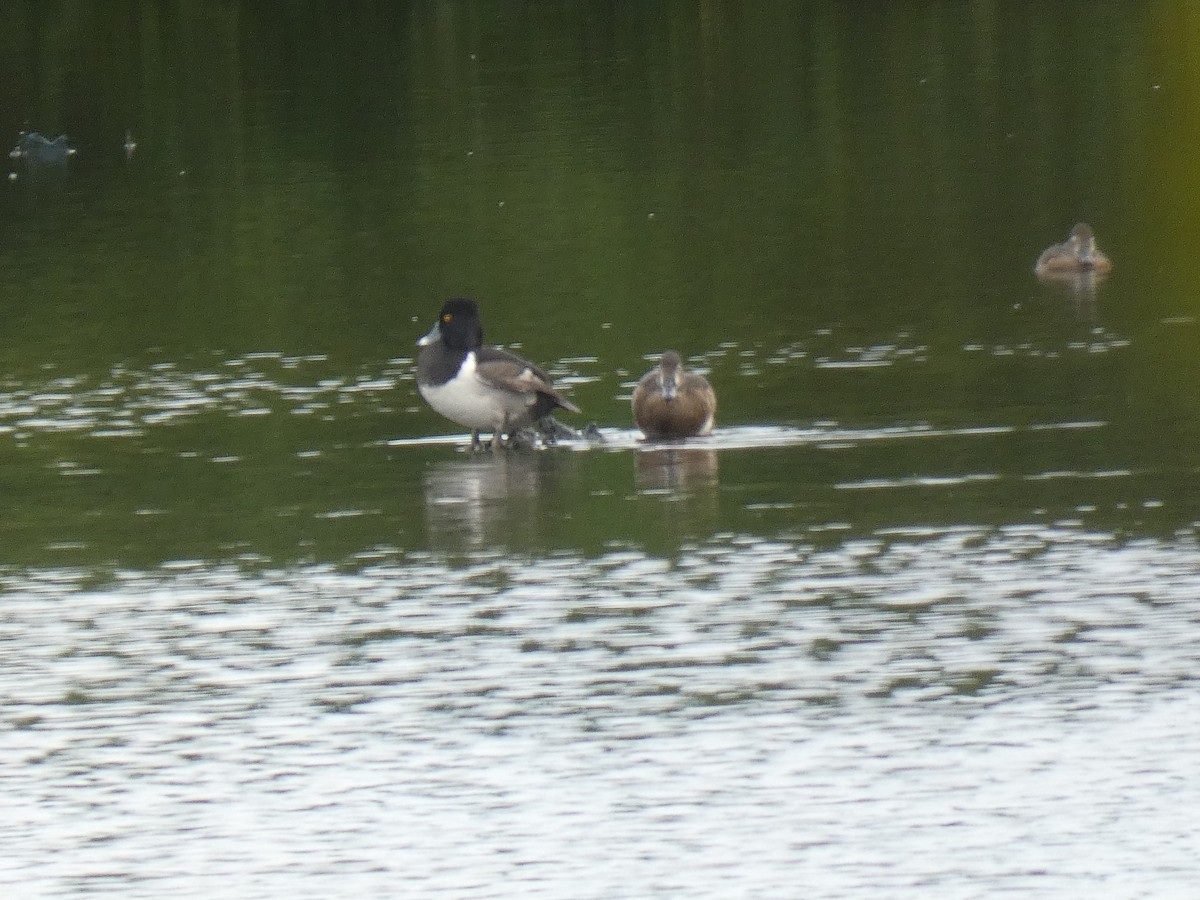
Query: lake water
pixel 918 620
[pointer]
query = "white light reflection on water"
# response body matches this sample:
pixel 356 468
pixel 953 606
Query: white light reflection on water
pixel 925 712
pixel 759 437
pixel 128 400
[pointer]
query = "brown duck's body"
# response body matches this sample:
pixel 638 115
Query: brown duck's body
pixel 671 403
pixel 1077 254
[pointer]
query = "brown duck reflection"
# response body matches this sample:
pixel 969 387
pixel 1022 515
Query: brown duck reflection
pixel 675 468
pixel 1082 287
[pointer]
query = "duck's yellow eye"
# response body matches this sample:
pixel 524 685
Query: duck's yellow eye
pixel 447 317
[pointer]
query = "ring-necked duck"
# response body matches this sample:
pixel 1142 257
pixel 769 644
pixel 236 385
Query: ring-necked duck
pixel 670 402
pixel 1077 254
pixel 482 388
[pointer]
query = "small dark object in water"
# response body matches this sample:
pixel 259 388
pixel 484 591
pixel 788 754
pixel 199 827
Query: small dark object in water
pixel 552 431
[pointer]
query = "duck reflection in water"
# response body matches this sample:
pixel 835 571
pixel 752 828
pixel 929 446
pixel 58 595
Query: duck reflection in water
pixel 487 498
pixel 675 468
pixel 1076 263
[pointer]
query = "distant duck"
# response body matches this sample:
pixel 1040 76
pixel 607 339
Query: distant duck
pixel 1076 255
pixel 481 388
pixel 670 402
pixel 36 150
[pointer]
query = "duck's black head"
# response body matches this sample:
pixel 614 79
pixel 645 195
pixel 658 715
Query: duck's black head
pixel 458 326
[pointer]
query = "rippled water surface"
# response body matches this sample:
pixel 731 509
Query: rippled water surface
pixel 919 619
pixel 957 711
pixel 432 675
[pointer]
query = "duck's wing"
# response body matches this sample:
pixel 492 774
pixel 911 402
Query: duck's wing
pixel 509 372
pixel 695 383
pixel 1051 259
pixel 649 381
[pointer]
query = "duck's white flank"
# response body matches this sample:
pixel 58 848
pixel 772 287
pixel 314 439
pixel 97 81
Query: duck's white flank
pixel 472 402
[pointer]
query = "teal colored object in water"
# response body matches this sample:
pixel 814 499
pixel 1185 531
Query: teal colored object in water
pixel 39 152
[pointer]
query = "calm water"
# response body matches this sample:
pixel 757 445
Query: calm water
pixel 918 620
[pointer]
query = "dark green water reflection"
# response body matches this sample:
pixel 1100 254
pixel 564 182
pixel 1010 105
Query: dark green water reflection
pixel 928 591
pixel 834 207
